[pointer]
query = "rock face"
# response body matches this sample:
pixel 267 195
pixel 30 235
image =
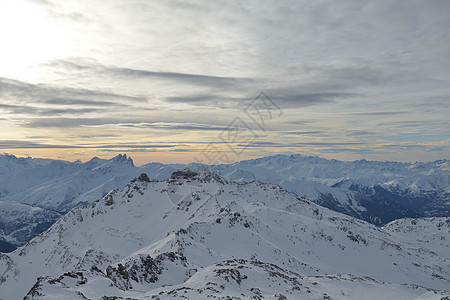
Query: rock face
pixel 222 238
pixel 143 270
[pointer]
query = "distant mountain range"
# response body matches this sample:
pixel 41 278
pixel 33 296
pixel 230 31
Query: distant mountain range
pixel 34 193
pixel 199 235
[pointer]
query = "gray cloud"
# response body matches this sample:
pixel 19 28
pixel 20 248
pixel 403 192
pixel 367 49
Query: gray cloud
pixel 303 132
pixel 359 132
pixel 281 97
pixel 134 150
pixel 15 90
pixel 405 146
pixel 368 74
pixel 378 113
pixel 308 99
pixel 121 123
pixel 30 101
pixel 133 74
pixel 18 144
pixel 299 144
pixel 93 136
pixel 66 101
pixel 37 111
pixel 217 101
pixel 65 122
pixel 439 102
pixel 164 125
pixel 351 150
pixel 137 146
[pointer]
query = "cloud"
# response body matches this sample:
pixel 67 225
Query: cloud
pixel 19 91
pixel 137 146
pixel 162 125
pixel 209 100
pixel 81 102
pixel 41 2
pixel 375 72
pixel 75 17
pixel 281 97
pixel 405 146
pixel 31 101
pixel 135 150
pixel 89 66
pixel 39 111
pixel 351 150
pixel 300 144
pixel 120 123
pixel 308 99
pixel 65 122
pixel 367 73
pixel 378 113
pixel 303 132
pixel 359 132
pixel 94 136
pixel 19 144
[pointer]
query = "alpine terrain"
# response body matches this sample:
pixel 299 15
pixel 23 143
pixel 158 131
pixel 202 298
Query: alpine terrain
pixel 198 235
pixel 34 193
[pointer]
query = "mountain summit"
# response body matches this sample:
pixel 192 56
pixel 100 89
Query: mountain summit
pixel 204 175
pixel 123 159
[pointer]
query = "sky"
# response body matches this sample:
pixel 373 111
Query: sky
pixel 223 81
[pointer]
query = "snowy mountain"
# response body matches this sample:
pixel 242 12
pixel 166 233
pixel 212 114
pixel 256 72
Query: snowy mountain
pixel 61 185
pixel 377 192
pixel 198 235
pixel 35 192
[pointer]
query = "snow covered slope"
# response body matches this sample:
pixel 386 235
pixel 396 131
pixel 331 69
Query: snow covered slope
pixel 431 234
pixel 199 235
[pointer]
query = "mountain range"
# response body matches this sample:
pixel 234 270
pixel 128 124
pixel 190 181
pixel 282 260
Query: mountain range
pixel 199 235
pixel 34 193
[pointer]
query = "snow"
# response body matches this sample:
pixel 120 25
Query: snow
pixel 225 238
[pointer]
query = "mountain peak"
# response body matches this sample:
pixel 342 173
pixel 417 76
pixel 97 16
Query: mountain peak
pixel 9 156
pixel 123 158
pixel 142 178
pixel 204 175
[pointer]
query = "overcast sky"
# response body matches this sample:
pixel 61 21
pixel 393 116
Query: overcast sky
pixel 170 81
